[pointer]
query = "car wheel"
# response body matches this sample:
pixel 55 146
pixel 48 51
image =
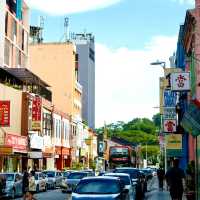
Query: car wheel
pixel 37 189
pixel 13 194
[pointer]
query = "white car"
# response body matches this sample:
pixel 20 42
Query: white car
pixel 126 180
pixel 54 178
pixel 40 181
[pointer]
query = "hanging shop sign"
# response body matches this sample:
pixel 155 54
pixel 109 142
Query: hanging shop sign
pixel 36 113
pixel 180 81
pixel 169 125
pixel 174 144
pixel 36 142
pixel 169 113
pixel 18 143
pixel 169 98
pixel 4 113
pixel 6 150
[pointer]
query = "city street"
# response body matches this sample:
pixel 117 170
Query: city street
pixel 50 195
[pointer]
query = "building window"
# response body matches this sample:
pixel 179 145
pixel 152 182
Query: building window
pixel 6 24
pixel 92 55
pixel 47 127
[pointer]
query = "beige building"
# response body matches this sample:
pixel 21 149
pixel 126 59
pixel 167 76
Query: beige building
pixel 57 63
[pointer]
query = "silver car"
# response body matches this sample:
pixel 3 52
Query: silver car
pixel 54 178
pixel 13 184
pixel 125 178
pixel 73 179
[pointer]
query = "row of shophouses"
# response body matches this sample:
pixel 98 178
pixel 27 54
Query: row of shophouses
pixel 180 100
pixel 41 122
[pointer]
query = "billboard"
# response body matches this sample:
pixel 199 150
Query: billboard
pixel 169 98
pixel 174 145
pixel 169 113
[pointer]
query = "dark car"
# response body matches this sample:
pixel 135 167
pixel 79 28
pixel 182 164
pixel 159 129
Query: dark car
pixel 100 188
pixel 137 178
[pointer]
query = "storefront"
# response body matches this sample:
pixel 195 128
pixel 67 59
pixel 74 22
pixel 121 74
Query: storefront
pixel 35 157
pixel 66 157
pixel 13 154
pixel 48 158
pixel 58 158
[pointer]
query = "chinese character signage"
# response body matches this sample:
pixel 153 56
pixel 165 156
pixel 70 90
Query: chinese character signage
pixel 36 113
pixel 180 81
pixel 169 98
pixel 169 113
pixel 169 125
pixel 18 143
pixel 4 113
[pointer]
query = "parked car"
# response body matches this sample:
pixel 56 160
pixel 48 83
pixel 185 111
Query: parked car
pixel 125 178
pixel 73 179
pixel 41 182
pixel 13 185
pixel 101 187
pixel 66 173
pixel 138 179
pixel 54 178
pixel 148 173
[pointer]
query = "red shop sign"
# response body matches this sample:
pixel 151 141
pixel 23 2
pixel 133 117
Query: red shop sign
pixel 36 109
pixel 4 113
pixel 19 143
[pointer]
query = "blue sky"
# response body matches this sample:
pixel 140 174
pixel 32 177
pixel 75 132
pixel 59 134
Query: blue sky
pixel 129 35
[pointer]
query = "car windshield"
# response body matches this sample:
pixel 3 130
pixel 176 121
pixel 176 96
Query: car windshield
pixel 133 173
pixel 77 175
pixel 9 177
pixel 50 174
pixel 124 179
pixel 98 187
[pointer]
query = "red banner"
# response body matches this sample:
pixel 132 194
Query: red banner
pixel 36 113
pixel 19 143
pixel 4 113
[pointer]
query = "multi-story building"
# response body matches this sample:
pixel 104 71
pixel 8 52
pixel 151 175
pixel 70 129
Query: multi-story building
pixel 14 33
pixel 57 64
pixel 85 46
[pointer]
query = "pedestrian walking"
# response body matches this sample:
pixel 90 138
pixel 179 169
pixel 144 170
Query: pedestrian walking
pixel 32 186
pixel 25 184
pixel 175 178
pixel 160 175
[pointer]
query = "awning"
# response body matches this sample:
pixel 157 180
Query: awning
pixel 191 120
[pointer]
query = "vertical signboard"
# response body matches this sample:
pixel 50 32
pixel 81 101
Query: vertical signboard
pixel 36 113
pixel 4 113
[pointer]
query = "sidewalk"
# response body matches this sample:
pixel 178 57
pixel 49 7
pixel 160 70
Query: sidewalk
pixel 154 193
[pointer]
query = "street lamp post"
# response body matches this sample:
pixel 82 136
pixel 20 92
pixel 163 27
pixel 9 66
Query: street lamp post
pixel 163 65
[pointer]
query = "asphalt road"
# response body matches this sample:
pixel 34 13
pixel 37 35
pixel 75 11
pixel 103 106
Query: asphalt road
pixel 50 195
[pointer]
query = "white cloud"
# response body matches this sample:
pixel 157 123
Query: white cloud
pixel 61 7
pixel 127 86
pixel 191 2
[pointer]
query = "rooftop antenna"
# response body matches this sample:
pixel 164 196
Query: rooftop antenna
pixel 66 27
pixel 41 25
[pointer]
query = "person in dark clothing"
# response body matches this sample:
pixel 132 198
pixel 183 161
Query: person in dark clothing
pixel 175 177
pixel 25 184
pixel 160 175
